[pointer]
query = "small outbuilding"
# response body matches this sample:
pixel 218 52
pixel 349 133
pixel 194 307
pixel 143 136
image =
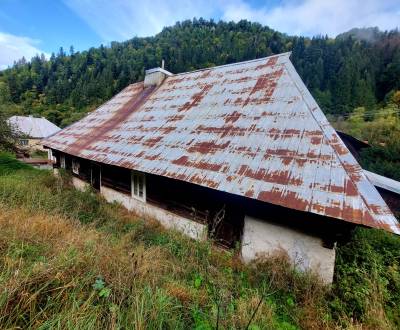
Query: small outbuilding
pixel 388 188
pixel 31 130
pixel 241 153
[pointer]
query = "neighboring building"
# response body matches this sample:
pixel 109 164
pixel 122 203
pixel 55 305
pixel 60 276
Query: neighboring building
pixel 239 152
pixel 32 130
pixel 354 145
pixel 388 188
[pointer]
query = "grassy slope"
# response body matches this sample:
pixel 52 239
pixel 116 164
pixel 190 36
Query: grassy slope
pixel 69 260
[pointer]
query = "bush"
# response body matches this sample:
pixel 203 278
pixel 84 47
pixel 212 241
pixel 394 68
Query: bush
pixel 383 160
pixel 8 139
pixel 367 280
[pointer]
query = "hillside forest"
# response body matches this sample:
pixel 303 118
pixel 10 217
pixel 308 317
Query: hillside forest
pixel 354 77
pixel 70 260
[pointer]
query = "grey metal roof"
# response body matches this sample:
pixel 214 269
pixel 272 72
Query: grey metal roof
pixel 32 127
pixel 383 182
pixel 250 129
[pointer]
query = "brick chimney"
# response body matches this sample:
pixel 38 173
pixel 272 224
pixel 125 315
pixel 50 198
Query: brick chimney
pixel 155 77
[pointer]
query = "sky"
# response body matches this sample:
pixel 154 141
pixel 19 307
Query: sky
pixel 30 27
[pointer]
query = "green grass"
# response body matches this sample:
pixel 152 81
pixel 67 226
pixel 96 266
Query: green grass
pixel 8 164
pixel 69 260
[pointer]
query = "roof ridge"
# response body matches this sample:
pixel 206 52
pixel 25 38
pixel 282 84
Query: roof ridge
pixel 233 64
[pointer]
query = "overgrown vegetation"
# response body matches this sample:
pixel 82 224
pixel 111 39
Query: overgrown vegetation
pixel 368 279
pixel 69 260
pixel 381 129
pixel 342 73
pixel 8 138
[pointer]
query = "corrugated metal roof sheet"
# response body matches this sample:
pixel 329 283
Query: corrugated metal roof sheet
pixel 33 127
pixel 383 182
pixel 249 128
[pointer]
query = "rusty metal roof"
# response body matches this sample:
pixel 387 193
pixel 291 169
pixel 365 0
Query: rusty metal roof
pixel 250 129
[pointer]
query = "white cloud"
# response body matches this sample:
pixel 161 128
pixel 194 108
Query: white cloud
pixel 14 48
pixel 124 19
pixel 311 17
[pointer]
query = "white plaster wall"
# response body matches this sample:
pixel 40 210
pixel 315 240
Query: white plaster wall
pixel 79 184
pixel 305 251
pixel 167 219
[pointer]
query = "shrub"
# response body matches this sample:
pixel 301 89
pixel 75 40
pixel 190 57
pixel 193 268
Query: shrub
pixel 367 277
pixel 8 139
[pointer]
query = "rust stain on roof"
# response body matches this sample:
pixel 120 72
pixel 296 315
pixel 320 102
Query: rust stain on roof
pixel 266 84
pixel 196 98
pixel 92 135
pixel 232 117
pixel 207 147
pixel 250 129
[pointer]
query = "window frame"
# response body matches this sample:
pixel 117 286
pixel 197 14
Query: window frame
pixel 24 142
pixel 62 162
pixel 75 166
pixel 135 186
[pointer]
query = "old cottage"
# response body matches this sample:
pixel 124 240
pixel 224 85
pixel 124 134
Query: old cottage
pixel 241 152
pixel 31 130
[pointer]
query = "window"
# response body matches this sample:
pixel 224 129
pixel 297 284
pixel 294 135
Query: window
pixel 62 161
pixel 138 185
pixel 75 166
pixel 23 142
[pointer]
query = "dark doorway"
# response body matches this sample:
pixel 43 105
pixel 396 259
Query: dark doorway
pixel 96 176
pixel 226 225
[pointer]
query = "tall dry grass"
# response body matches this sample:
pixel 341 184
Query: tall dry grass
pixel 50 264
pixel 69 260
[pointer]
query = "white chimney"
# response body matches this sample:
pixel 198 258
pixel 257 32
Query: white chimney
pixel 155 77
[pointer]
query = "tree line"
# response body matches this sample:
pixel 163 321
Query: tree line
pixel 342 73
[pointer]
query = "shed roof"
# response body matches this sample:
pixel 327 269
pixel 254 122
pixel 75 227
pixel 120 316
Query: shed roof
pixel 33 127
pixel 383 182
pixel 250 129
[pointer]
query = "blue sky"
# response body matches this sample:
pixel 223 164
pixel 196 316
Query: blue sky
pixel 28 27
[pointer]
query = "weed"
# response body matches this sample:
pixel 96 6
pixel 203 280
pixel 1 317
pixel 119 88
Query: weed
pixel 69 260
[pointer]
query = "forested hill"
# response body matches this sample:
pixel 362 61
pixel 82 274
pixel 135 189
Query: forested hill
pixel 358 68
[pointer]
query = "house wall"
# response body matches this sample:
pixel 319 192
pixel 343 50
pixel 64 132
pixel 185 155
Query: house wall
pixel 167 219
pixel 33 144
pixel 305 251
